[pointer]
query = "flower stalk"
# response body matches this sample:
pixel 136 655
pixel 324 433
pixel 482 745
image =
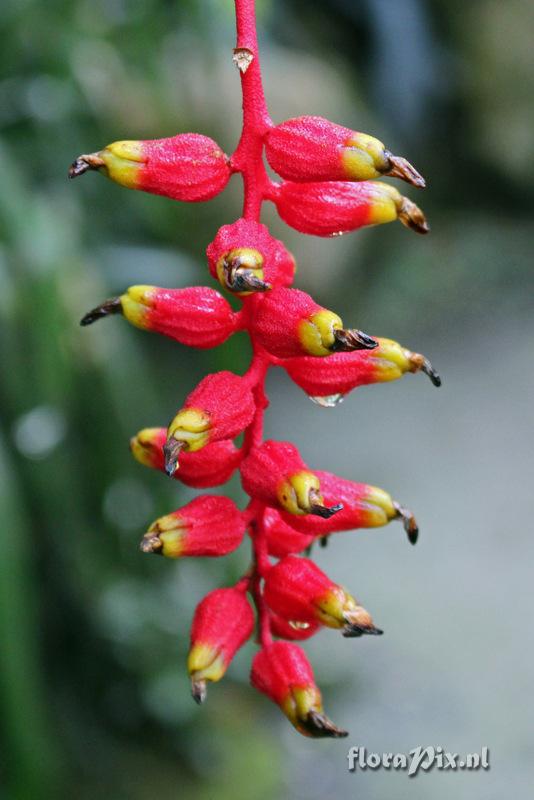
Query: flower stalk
pixel 327 187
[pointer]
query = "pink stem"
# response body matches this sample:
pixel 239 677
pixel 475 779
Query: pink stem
pixel 248 160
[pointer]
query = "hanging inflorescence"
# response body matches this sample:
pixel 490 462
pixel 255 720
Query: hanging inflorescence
pixel 327 188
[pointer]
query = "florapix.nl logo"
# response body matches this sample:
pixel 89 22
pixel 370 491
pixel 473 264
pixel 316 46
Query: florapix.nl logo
pixel 418 759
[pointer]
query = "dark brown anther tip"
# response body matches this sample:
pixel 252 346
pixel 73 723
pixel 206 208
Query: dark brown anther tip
pixel 199 691
pixel 171 451
pixel 150 543
pixel 323 541
pixel 84 164
pixel 112 306
pixel 323 511
pixel 352 631
pixel 408 521
pixel 421 364
pixel 429 370
pixel 352 339
pixel 412 217
pixel 401 168
pixel 318 725
pixel 241 279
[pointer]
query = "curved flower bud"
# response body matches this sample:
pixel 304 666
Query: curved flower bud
pixel 283 673
pixel 334 377
pixel 207 526
pixel 197 316
pixel 282 538
pixel 364 506
pixel 189 167
pixel 245 258
pixel 331 209
pixel 222 623
pixel 315 149
pixel 220 407
pixel 293 631
pixel 299 591
pixel 211 466
pixel 290 323
pixel 276 474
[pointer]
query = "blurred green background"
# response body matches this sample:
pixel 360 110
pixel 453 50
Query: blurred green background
pixel 93 694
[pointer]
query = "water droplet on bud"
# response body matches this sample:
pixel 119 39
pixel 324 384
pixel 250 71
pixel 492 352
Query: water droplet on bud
pixel 328 401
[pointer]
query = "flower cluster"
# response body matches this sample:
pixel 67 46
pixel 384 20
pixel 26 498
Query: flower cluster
pixel 327 187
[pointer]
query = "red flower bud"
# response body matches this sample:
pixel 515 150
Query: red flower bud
pixel 207 526
pixel 282 538
pixel 188 167
pixel 245 258
pixel 276 474
pixel 327 381
pixel 294 631
pixel 220 407
pixel 364 506
pixel 315 149
pixel 222 623
pixel 283 673
pixel 299 591
pixel 197 316
pixel 211 466
pixel 331 209
pixel 289 323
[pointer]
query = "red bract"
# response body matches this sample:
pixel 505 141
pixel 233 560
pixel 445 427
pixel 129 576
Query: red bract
pixel 197 317
pixel 282 672
pixel 188 167
pixel 211 466
pixel 207 526
pixel 245 258
pixel 363 506
pixel 281 537
pixel 315 149
pixel 298 591
pixel 334 208
pixel 275 474
pixel 332 378
pixel 304 327
pixel 222 623
pixel 221 407
pixel 290 504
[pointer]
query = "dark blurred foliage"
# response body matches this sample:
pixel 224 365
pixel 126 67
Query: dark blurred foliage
pixel 93 694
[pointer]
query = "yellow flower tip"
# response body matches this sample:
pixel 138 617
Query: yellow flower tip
pixel 122 162
pixel 142 446
pixel 189 431
pixel 166 536
pixel 364 157
pixel 241 271
pixel 301 494
pixel 136 303
pixel 304 709
pixel 205 663
pixel 316 333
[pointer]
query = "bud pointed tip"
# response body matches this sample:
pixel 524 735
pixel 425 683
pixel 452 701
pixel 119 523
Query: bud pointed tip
pixel 401 168
pixel 317 724
pixel 85 163
pixel 352 339
pixel 150 543
pixel 112 306
pixel 171 451
pixel 199 691
pixel 408 521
